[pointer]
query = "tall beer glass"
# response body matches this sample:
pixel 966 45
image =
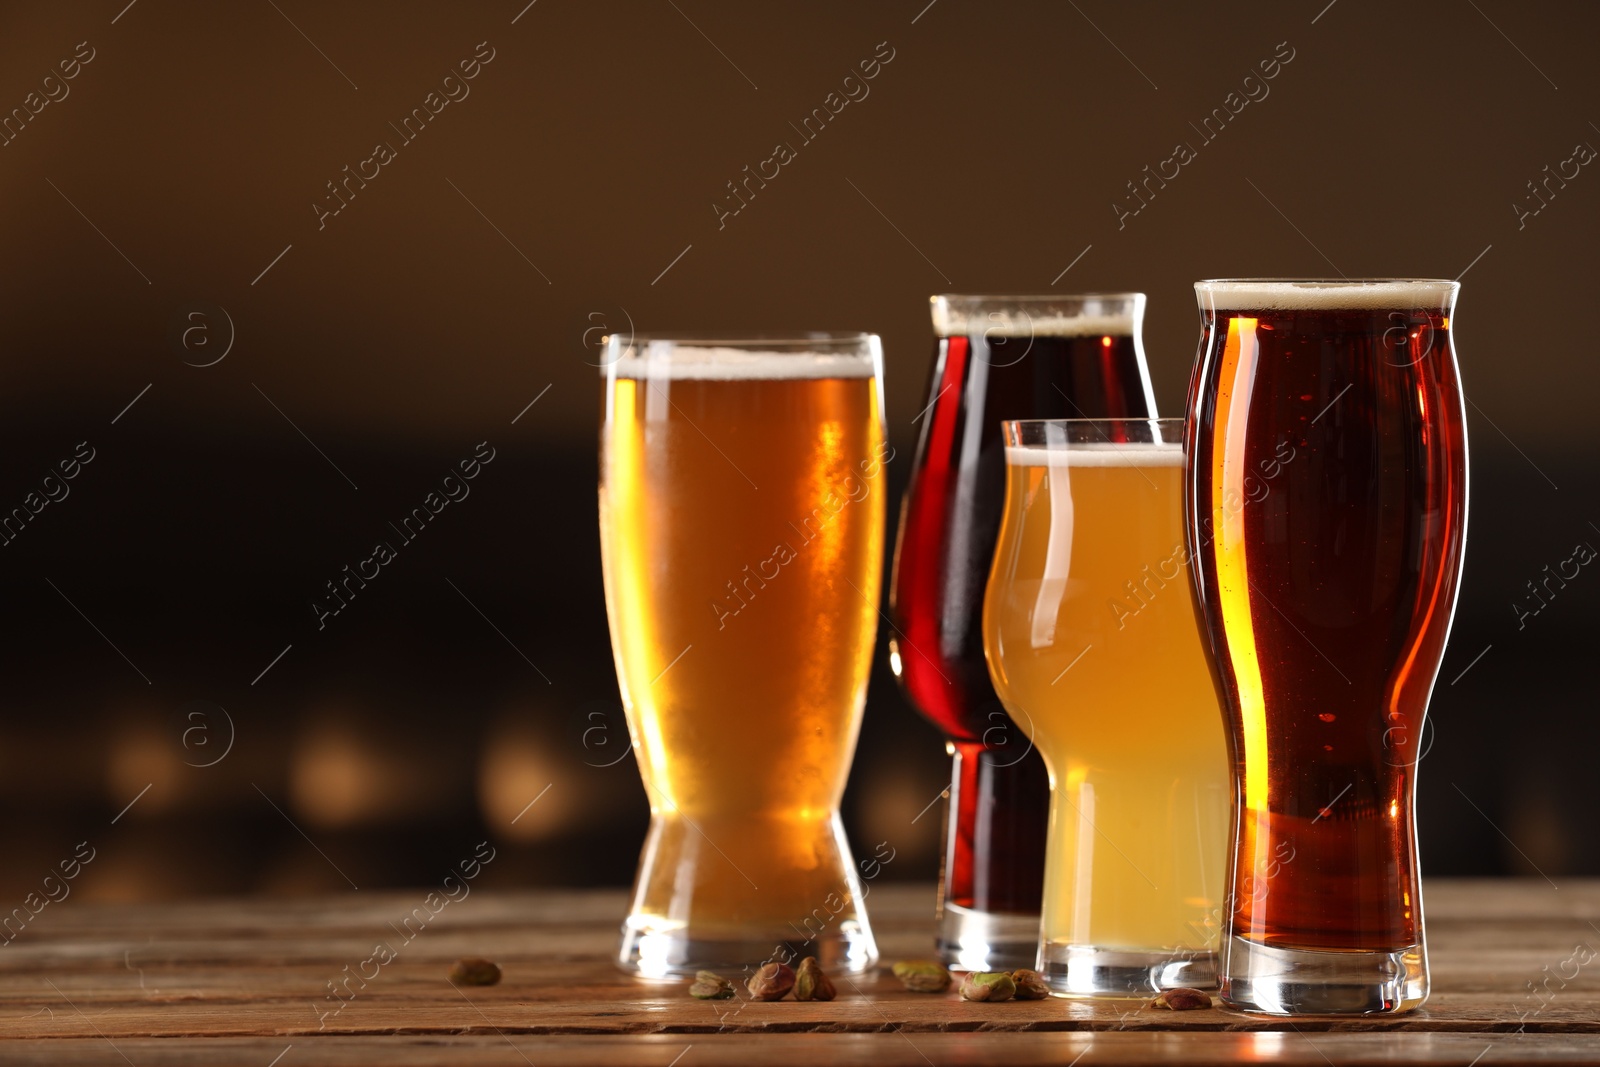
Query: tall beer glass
pixel 1326 511
pixel 1090 631
pixel 741 529
pixel 996 357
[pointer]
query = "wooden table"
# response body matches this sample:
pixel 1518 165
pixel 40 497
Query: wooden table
pixel 246 982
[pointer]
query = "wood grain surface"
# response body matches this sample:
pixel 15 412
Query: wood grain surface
pixel 1515 964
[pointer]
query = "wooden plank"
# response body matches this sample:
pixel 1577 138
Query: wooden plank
pixel 241 975
pixel 833 1050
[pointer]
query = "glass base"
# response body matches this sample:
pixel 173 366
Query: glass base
pixel 1086 971
pixel 731 893
pixel 662 949
pixel 971 940
pixel 1290 981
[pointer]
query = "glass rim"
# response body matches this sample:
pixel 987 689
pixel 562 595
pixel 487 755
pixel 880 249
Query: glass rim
pixel 1169 421
pixel 1039 298
pixel 1117 433
pixel 796 342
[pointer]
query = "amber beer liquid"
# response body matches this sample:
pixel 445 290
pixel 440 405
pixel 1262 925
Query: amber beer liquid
pixel 1327 505
pixel 1091 638
pixel 742 523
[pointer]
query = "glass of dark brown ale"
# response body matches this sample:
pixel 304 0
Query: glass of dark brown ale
pixel 996 358
pixel 1326 508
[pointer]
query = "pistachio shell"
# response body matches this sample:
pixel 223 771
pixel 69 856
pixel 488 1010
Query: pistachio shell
pixel 810 983
pixel 710 986
pixel 1181 999
pixel 1030 985
pixel 923 976
pixel 988 985
pixel 772 982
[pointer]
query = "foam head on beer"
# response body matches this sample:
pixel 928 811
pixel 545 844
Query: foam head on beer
pixel 961 317
pixel 1311 295
pixel 711 362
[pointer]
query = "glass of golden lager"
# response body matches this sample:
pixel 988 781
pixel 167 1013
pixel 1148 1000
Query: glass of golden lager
pixel 741 530
pixel 1093 645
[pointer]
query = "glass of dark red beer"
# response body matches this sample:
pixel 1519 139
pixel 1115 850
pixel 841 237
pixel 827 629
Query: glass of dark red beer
pixel 996 358
pixel 1326 509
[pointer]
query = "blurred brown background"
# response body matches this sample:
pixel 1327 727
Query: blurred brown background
pixel 572 191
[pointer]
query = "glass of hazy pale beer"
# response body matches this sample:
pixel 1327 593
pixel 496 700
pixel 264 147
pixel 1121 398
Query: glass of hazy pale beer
pixel 995 357
pixel 1326 510
pixel 741 530
pixel 1090 631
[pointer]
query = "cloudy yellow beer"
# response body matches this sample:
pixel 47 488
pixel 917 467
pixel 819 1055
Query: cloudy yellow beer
pixel 741 522
pixel 1094 649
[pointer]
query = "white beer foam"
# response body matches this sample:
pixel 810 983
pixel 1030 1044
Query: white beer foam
pixel 1398 293
pixel 948 322
pixel 1132 454
pixel 685 363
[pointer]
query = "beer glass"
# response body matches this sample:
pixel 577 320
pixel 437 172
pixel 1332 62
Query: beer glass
pixel 741 530
pixel 996 357
pixel 1089 626
pixel 1326 507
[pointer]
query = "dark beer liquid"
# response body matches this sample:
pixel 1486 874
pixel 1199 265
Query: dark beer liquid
pixel 1327 488
pixel 950 519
